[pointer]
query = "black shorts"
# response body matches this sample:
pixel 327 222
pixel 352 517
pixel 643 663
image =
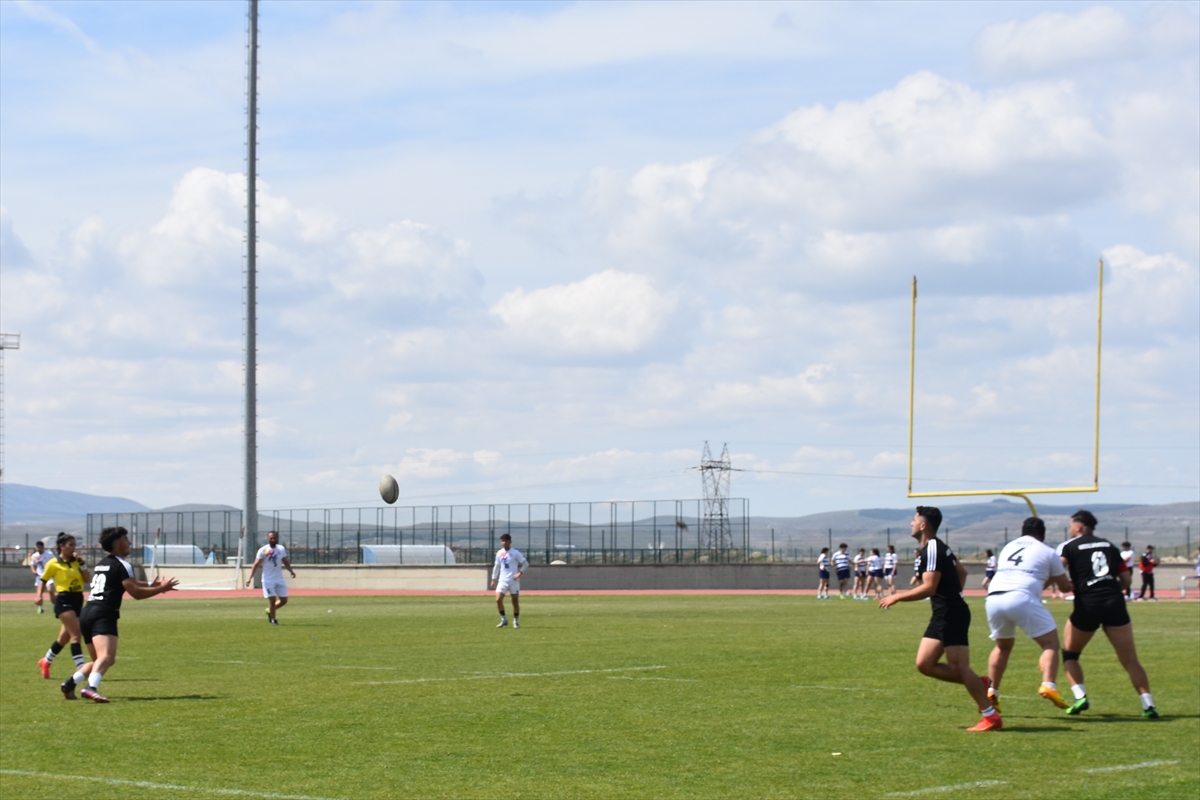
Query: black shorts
pixel 949 625
pixel 1107 610
pixel 843 574
pixel 824 574
pixel 68 601
pixel 97 621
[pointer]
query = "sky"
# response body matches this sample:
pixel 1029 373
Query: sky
pixel 515 252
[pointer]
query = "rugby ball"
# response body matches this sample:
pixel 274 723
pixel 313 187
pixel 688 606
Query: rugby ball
pixel 389 490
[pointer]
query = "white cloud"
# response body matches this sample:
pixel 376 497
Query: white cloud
pixel 1055 39
pixel 607 313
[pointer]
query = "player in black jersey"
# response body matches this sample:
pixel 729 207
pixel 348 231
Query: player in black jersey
pixel 111 579
pixel 941 578
pixel 1100 576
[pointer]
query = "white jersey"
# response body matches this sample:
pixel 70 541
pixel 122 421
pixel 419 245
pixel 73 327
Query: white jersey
pixel 874 563
pixel 508 563
pixel 1024 566
pixel 1127 557
pixel 860 562
pixel 272 563
pixel 890 561
pixel 841 560
pixel 38 561
pixel 990 563
pixel 823 562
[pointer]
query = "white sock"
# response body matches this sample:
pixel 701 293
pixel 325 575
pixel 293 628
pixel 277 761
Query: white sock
pixel 1147 701
pixel 1050 685
pixel 78 678
pixel 94 680
pixel 987 712
pixel 1079 690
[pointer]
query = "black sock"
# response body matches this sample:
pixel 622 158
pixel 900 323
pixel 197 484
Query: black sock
pixel 56 648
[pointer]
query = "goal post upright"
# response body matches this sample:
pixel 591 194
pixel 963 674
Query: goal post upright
pixel 1021 493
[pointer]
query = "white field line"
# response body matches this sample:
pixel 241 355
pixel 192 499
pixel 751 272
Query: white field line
pixel 164 786
pixel 956 787
pixel 1123 767
pixel 837 688
pixel 232 662
pixel 501 675
pixel 632 678
pixel 334 666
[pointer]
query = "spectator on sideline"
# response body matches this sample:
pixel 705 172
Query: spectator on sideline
pixel 890 562
pixel 38 560
pixel 1128 555
pixel 942 578
pixel 989 568
pixel 823 574
pixel 273 557
pixel 1147 563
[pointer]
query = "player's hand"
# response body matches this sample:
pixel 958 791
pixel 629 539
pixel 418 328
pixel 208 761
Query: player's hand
pixel 889 601
pixel 492 585
pixel 517 576
pixel 249 582
pixel 169 584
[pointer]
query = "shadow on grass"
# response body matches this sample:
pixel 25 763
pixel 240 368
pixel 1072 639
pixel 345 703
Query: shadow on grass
pixel 172 697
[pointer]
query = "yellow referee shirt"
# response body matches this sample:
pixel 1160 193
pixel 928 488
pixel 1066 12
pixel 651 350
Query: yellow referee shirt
pixel 67 575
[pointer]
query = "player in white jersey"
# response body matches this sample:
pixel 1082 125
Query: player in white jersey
pixel 989 568
pixel 273 557
pixel 841 563
pixel 506 577
pixel 860 574
pixel 38 560
pixel 891 562
pixel 874 574
pixel 823 574
pixel 1014 601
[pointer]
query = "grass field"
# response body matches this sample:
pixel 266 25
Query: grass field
pixel 595 696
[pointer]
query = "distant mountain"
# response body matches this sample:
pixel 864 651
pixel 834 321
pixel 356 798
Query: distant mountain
pixel 31 504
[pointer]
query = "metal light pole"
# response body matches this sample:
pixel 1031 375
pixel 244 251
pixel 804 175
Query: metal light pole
pixel 8 341
pixel 250 421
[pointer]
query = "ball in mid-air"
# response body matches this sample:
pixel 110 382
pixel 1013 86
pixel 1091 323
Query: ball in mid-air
pixel 389 490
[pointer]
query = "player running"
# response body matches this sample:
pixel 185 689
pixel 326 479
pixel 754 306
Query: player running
pixel 113 577
pixel 273 557
pixel 890 562
pixel 1100 577
pixel 65 575
pixel 37 562
pixel 509 567
pixel 841 563
pixel 823 574
pixel 941 580
pixel 1014 601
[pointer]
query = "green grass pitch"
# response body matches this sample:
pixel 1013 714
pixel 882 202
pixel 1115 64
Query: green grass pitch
pixel 595 696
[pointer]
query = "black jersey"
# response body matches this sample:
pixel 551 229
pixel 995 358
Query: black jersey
pixel 1094 565
pixel 108 583
pixel 937 557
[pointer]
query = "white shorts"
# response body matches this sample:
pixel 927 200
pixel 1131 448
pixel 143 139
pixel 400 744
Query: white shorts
pixel 508 587
pixel 1011 610
pixel 274 589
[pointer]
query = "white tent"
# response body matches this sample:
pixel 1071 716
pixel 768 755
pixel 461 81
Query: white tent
pixel 407 554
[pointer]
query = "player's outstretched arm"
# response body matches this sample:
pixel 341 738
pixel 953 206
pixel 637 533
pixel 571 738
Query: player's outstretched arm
pixel 140 590
pixel 927 588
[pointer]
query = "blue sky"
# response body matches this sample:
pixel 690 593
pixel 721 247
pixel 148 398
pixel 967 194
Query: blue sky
pixel 518 252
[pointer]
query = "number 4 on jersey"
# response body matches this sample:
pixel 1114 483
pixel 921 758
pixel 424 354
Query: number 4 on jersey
pixel 1016 558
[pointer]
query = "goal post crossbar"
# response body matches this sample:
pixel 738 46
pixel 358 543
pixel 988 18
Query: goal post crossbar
pixel 1022 493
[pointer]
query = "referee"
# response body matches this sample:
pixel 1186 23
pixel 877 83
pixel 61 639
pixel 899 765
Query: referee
pixel 65 575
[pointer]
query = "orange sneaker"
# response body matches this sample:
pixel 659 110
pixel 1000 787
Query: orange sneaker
pixel 45 665
pixel 992 723
pixel 1053 696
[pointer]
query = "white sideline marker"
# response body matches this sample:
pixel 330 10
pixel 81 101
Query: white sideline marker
pixel 956 787
pixel 499 675
pixel 1123 767
pixel 167 786
pixel 837 688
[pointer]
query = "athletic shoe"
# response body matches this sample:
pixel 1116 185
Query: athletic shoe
pixel 503 622
pixel 274 621
pixel 516 624
pixel 45 665
pixel 1078 707
pixel 68 690
pixel 93 695
pixel 1150 713
pixel 41 610
pixel 992 723
pixel 1053 696
pixel 268 613
pixel 994 699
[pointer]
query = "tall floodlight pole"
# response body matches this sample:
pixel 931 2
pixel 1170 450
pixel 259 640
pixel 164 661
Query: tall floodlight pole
pixel 250 506
pixel 8 341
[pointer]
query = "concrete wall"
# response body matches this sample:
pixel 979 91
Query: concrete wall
pixel 467 577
